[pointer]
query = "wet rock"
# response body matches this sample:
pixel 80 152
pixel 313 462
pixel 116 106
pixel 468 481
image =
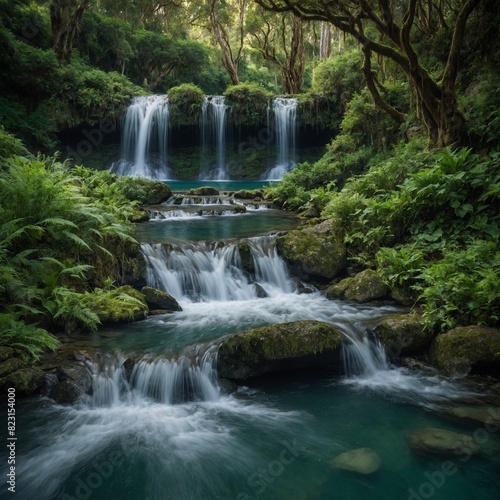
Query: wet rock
pixel 204 191
pixel 259 290
pixel 66 393
pixel 467 348
pixel 157 299
pixel 361 460
pixel 135 271
pixel 6 353
pixel 279 347
pixel 248 194
pixel 9 366
pixel 363 287
pixel 432 441
pixel 403 334
pixel 247 262
pixel 25 381
pixel 74 381
pixel 316 251
pixel 140 215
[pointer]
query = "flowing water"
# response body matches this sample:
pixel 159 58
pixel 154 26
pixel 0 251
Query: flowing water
pixel 168 429
pixel 145 139
pixel 285 118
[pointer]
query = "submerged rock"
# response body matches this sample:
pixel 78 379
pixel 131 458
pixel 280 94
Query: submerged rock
pixel 278 347
pixel 403 334
pixel 315 251
pixel 157 299
pixel 467 348
pixel 361 460
pixel 363 287
pixel 483 415
pixel 441 442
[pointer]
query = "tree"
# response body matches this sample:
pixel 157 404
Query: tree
pixel 220 22
pixel 66 16
pixel 280 40
pixel 387 29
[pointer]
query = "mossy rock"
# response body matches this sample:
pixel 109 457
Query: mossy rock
pixel 432 441
pixel 66 393
pixel 467 349
pixel 403 334
pixel 139 216
pixel 116 310
pixel 25 381
pixel 361 460
pixel 337 290
pixel 204 191
pixel 6 353
pixel 145 191
pixel 279 347
pixel 157 299
pixel 247 263
pixel 9 366
pixel 316 251
pixel 363 287
pixel 248 194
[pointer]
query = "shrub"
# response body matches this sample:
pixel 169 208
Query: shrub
pixel 185 102
pixel 249 102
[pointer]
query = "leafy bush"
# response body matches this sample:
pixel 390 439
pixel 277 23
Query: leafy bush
pixel 249 102
pixel 185 102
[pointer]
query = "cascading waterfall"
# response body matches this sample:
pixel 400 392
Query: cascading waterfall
pixel 203 273
pixel 145 139
pixel 191 376
pixel 285 120
pixel 213 137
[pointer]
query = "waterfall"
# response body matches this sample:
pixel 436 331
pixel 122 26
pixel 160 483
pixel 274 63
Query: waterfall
pixel 213 136
pixel 285 121
pixel 145 139
pixel 204 273
pixel 189 377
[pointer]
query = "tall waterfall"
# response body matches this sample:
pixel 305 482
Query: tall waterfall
pixel 285 122
pixel 145 139
pixel 204 273
pixel 191 376
pixel 213 138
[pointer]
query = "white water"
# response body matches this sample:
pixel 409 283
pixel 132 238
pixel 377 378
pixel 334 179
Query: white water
pixel 172 215
pixel 145 139
pixel 285 116
pixel 213 133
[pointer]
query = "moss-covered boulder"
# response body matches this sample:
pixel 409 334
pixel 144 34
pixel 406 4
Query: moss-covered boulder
pixel 315 251
pixel 204 191
pixel 403 334
pixel 25 381
pixel 74 382
pixel 248 194
pixel 467 348
pixel 145 191
pixel 140 215
pixel 6 353
pixel 157 299
pixel 122 305
pixel 363 287
pixel 279 347
pixel 432 441
pixel 9 366
pixel 247 263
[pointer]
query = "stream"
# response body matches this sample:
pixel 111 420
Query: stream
pixel 172 431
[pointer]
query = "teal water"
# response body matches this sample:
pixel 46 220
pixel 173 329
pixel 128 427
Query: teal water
pixel 273 439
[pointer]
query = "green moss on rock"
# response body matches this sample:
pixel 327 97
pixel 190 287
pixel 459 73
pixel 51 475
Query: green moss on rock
pixel 315 251
pixel 467 348
pixel 204 191
pixel 246 257
pixel 145 191
pixel 9 366
pixel 279 347
pixel 403 334
pixel 157 299
pixel 25 381
pixel 248 194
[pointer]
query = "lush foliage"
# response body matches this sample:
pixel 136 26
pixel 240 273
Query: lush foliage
pixel 185 102
pixel 249 102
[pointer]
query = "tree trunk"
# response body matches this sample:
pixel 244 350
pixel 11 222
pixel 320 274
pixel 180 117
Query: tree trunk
pixel 66 16
pixel 325 40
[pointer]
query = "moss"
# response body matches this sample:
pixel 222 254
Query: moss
pixel 157 299
pixel 337 290
pixel 366 286
pixel 145 191
pixel 248 194
pixel 10 365
pixel 467 348
pixel 316 251
pixel 185 102
pixel 249 102
pixel 204 191
pixel 139 216
pixel 6 353
pixel 26 381
pixel 120 305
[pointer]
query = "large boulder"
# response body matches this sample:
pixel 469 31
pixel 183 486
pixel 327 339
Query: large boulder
pixel 363 287
pixel 403 334
pixel 9 366
pixel 157 299
pixel 361 460
pixel 467 348
pixel 279 347
pixel 145 191
pixel 248 194
pixel 25 381
pixel 316 251
pixel 432 441
pixel 204 191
